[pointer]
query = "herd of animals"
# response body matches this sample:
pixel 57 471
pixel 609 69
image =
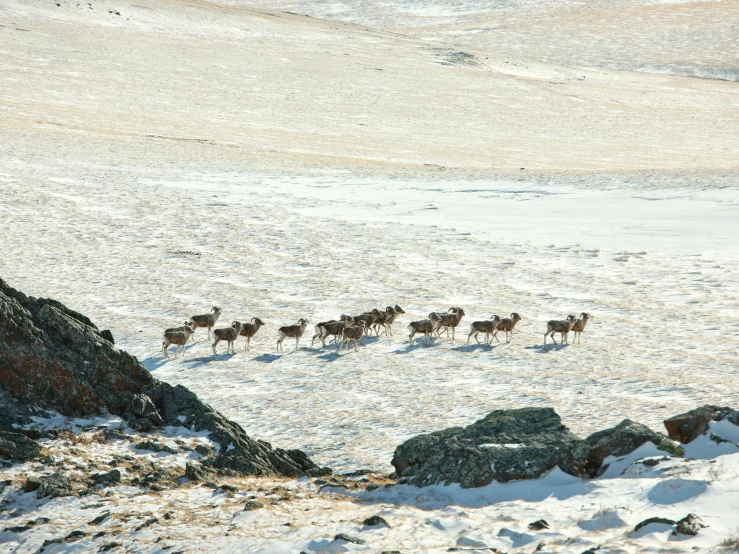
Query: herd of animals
pixel 349 329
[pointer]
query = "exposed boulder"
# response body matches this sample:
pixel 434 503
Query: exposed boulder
pixel 623 439
pixel 505 445
pixel 18 447
pixel 690 425
pixel 112 477
pixel 54 486
pixel 52 357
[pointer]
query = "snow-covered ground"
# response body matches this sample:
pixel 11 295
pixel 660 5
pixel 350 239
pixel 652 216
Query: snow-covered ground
pixel 680 37
pixel 184 154
pixel 308 515
pixel 655 268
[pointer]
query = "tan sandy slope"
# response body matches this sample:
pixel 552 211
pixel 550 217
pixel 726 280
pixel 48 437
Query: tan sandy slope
pixel 192 82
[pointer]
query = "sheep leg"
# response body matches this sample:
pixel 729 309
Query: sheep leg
pixel 214 345
pixel 297 340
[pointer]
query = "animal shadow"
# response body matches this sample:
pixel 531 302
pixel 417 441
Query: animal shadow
pixel 267 358
pixel 473 347
pixel 546 348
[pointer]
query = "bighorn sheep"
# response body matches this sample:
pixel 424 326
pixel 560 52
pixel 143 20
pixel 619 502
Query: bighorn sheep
pixel 425 326
pixel 229 334
pixel 390 318
pixel 448 321
pixel 177 336
pixel 384 320
pixel 248 330
pixel 488 327
pixel 507 324
pixel 206 320
pixel 369 319
pixel 354 333
pixel 295 331
pixel 332 328
pixel 579 326
pixel 563 326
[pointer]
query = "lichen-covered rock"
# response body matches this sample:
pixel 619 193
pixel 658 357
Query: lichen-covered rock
pixel 623 439
pixel 690 425
pixel 53 357
pixel 54 486
pixel 112 477
pixel 18 447
pixel 505 445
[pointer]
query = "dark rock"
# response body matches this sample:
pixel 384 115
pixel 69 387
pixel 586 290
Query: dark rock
pixel 154 447
pixel 505 445
pixel 196 472
pixel 18 529
pixel 623 439
pixel 229 488
pixel 376 520
pixel 690 425
pixel 203 450
pixel 58 359
pixel 54 486
pixel 18 447
pixel 390 552
pixel 371 487
pixel 107 335
pixel 110 478
pixel 147 523
pixel 348 538
pixel 109 546
pixel 253 505
pixel 691 524
pixel 654 520
pixel 73 536
pixel 539 525
pixel 32 484
pixel 98 520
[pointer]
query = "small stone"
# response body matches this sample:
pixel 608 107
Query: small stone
pixel 17 529
pixel 98 520
pixel 253 505
pixel 229 488
pixel 539 525
pixel 348 538
pixel 148 522
pixel 32 484
pixel 376 520
pixel 203 450
pixel 371 487
pixel 109 546
pixel 111 477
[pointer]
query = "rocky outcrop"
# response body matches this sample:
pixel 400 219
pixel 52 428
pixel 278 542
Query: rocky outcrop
pixel 52 357
pixel 505 445
pixel 623 439
pixel 690 425
pixel 18 447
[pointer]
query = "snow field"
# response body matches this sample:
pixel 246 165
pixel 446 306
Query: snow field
pixel 663 337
